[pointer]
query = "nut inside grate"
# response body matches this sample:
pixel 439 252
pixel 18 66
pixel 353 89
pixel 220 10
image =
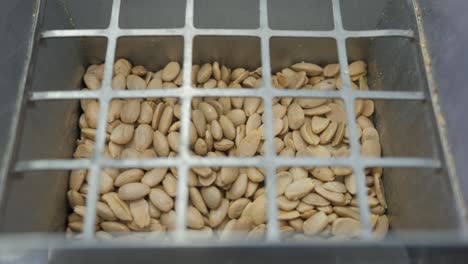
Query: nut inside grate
pixel 313 201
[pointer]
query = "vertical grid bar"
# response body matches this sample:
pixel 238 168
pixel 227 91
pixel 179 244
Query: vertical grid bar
pixel 348 99
pixel 183 168
pixel 269 164
pixel 104 99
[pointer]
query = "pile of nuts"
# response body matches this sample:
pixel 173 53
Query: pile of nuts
pixel 312 201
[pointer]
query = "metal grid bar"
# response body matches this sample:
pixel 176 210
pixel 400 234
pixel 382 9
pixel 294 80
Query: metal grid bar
pixel 37 241
pixel 104 100
pixel 72 164
pixel 358 169
pixel 175 92
pixel 184 161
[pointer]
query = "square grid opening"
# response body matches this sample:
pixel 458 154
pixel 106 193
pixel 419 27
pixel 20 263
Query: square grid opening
pixel 61 63
pixel 69 14
pixel 376 14
pixel 398 51
pixel 152 14
pixel 242 14
pixel 226 62
pixel 301 15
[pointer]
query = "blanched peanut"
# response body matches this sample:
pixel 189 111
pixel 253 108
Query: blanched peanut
pixel 170 72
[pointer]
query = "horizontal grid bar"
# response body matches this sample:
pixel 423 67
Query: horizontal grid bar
pixel 63 95
pixel 66 33
pixel 93 193
pixel 180 92
pixel 31 241
pixel 401 162
pixel 366 162
pixel 344 33
pixel 147 32
pixel 389 95
pixel 225 92
pixel 378 33
pixel 181 202
pixel 71 164
pixel 52 164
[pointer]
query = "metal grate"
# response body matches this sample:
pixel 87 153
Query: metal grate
pixel 184 161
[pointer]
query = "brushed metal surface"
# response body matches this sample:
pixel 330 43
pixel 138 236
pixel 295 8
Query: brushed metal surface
pixel 404 73
pixel 443 24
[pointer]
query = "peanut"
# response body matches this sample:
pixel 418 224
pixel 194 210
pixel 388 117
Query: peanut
pixel 315 201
